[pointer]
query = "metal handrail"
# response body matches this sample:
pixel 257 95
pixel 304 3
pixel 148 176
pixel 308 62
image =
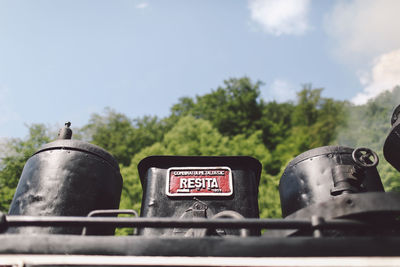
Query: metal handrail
pixel 249 223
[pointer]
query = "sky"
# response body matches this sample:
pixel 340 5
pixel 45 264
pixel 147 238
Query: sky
pixel 65 60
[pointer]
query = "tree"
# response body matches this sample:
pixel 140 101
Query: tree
pixel 315 122
pixel 183 107
pixel 122 136
pixel 308 103
pixel 232 109
pixel 113 132
pixel 14 155
pixel 276 123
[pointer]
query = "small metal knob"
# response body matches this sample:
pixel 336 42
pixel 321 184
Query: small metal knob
pixel 65 132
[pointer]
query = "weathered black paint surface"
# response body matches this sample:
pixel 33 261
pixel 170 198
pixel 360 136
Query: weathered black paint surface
pixel 155 203
pixel 309 178
pixel 67 178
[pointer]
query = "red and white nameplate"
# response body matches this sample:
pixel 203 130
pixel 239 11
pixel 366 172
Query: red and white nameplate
pixel 199 181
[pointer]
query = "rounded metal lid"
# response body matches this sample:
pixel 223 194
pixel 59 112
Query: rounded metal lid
pixel 81 146
pixel 319 151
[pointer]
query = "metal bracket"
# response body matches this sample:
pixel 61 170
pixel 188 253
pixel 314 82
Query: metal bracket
pixel 97 213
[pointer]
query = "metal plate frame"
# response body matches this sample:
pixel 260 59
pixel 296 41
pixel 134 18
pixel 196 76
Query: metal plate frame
pixel 167 189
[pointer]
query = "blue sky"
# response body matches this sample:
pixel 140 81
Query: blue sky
pixel 64 60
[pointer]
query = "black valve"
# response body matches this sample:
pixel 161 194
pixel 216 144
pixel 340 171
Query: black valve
pixel 362 157
pixel 348 178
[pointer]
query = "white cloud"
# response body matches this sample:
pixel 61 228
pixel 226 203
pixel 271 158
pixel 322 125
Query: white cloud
pixel 281 17
pixel 282 91
pixel 142 5
pixel 365 36
pixel 385 75
pixel 364 29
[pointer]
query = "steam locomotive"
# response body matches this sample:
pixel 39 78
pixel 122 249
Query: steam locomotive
pixel 203 211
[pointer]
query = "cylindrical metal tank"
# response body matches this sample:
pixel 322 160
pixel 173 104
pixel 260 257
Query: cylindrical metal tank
pixel 67 178
pixel 391 148
pixel 322 173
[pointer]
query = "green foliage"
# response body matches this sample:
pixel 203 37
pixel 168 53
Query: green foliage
pixel 14 154
pixel 121 136
pixel 183 107
pixel 276 123
pixel 113 132
pixel 233 109
pixel 314 122
pixel 306 111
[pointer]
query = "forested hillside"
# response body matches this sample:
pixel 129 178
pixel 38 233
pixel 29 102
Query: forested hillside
pixel 230 120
